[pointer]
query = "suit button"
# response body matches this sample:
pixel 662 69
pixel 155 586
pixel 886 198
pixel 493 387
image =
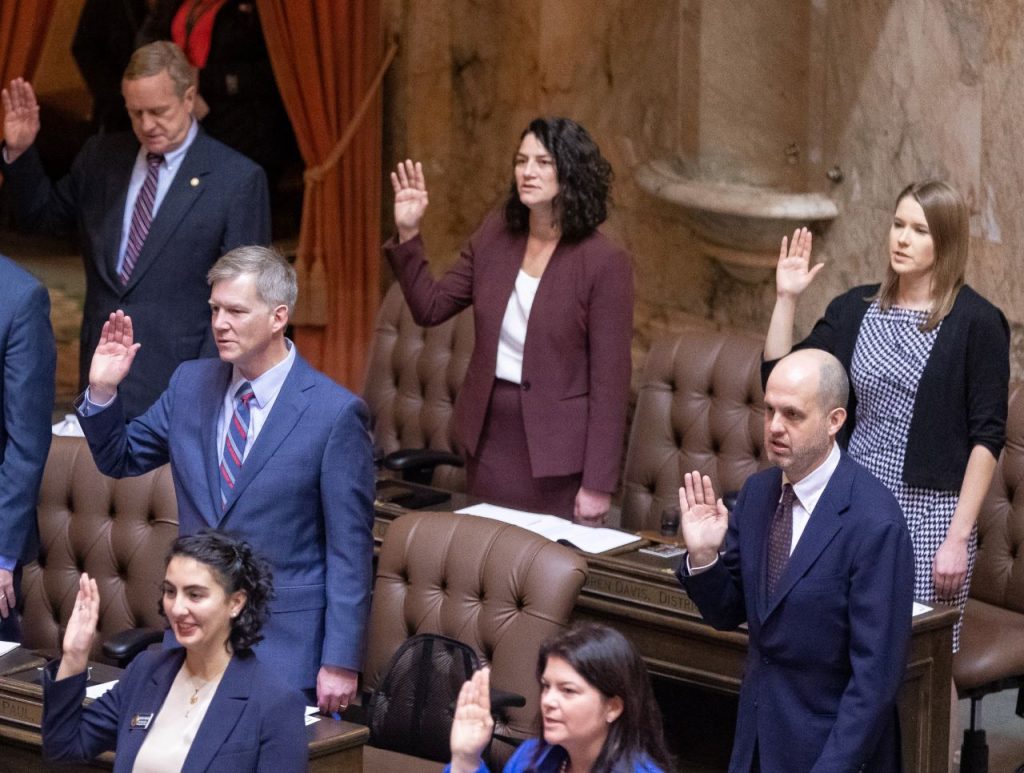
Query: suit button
pixel 526 386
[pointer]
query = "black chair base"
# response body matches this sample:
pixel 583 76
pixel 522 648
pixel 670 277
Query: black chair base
pixel 974 752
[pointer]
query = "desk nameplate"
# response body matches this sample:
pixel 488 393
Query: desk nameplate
pixel 20 710
pixel 654 595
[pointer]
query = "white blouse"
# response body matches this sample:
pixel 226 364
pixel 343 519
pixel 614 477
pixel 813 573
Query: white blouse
pixel 512 339
pixel 170 737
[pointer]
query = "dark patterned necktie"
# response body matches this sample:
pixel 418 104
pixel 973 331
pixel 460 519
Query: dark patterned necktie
pixel 142 217
pixel 780 538
pixel 234 442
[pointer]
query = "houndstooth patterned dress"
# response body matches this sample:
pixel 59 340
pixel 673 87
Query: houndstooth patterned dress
pixel 888 361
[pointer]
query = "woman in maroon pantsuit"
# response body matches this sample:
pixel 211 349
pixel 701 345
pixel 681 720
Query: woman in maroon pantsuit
pixel 541 414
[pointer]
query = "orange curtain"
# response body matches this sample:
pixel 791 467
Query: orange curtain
pixel 327 58
pixel 23 27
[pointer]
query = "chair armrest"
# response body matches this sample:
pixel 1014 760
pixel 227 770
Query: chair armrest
pixel 417 464
pixel 124 646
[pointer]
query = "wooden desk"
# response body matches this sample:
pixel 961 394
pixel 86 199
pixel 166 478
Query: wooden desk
pixel 639 596
pixel 333 746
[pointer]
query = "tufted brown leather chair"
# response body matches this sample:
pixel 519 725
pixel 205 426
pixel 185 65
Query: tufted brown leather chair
pixel 496 587
pixel 991 656
pixel 699 407
pixel 411 382
pixel 118 531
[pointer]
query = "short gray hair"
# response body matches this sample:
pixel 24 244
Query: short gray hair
pixel 153 58
pixel 275 278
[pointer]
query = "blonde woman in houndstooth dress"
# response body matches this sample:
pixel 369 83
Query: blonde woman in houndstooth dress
pixel 928 360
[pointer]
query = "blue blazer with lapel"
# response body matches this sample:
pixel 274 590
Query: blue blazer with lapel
pixel 827 653
pixel 217 201
pixel 304 500
pixel 253 723
pixel 26 404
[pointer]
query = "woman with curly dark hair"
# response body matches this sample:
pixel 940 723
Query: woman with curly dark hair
pixel 598 713
pixel 542 411
pixel 209 705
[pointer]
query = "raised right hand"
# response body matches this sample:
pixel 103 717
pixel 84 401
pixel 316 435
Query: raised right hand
pixel 21 117
pixel 81 628
pixel 410 198
pixel 704 520
pixel 794 273
pixel 113 357
pixel 472 724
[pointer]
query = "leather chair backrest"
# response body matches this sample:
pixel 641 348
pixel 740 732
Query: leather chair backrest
pixel 119 531
pixel 412 379
pixel 699 406
pixel 999 569
pixel 500 589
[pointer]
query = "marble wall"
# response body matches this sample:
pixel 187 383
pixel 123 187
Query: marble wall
pixel 767 92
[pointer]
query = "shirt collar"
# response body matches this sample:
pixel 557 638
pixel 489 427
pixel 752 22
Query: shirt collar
pixel 173 157
pixel 810 488
pixel 266 386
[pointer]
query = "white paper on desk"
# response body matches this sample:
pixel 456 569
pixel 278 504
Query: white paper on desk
pixel 7 646
pixel 920 609
pixel 519 518
pixel 311 717
pixel 586 538
pixel 97 690
pixel 69 427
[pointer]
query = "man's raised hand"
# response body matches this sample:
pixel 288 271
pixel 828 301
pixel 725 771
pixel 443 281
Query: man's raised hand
pixel 113 357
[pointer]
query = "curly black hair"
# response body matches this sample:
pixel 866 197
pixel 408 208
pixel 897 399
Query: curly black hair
pixel 237 567
pixel 584 179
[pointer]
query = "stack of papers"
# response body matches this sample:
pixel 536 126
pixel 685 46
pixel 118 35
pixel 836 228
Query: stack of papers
pixel 7 646
pixel 586 538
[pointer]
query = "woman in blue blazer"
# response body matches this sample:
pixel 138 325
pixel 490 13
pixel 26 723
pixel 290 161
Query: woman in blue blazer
pixel 209 705
pixel 597 709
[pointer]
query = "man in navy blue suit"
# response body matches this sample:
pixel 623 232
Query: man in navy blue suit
pixel 264 446
pixel 26 406
pixel 153 209
pixel 817 562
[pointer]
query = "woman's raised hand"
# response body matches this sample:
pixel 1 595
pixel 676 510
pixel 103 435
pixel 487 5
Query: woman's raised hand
pixel 472 725
pixel 794 272
pixel 81 628
pixel 410 198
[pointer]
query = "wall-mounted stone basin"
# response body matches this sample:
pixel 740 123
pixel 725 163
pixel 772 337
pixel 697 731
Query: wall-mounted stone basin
pixel 740 226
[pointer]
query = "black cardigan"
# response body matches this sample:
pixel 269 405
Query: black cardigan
pixel 961 398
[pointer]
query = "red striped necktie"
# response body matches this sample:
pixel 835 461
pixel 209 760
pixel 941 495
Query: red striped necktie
pixel 234 442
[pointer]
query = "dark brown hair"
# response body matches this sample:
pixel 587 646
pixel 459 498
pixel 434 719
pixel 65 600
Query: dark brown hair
pixel 584 179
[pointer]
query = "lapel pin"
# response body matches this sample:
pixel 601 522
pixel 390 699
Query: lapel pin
pixel 141 721
pixel 194 182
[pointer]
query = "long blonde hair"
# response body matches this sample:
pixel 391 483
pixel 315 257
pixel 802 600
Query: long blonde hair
pixel 949 225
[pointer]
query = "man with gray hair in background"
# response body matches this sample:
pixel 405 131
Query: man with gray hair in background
pixel 153 210
pixel 264 446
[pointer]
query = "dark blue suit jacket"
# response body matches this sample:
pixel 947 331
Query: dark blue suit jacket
pixel 26 405
pixel 217 201
pixel 304 500
pixel 253 722
pixel 827 653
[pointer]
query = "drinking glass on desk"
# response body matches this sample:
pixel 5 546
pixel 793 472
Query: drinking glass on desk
pixel 670 517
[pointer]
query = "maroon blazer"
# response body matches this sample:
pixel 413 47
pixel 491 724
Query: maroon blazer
pixel 576 361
